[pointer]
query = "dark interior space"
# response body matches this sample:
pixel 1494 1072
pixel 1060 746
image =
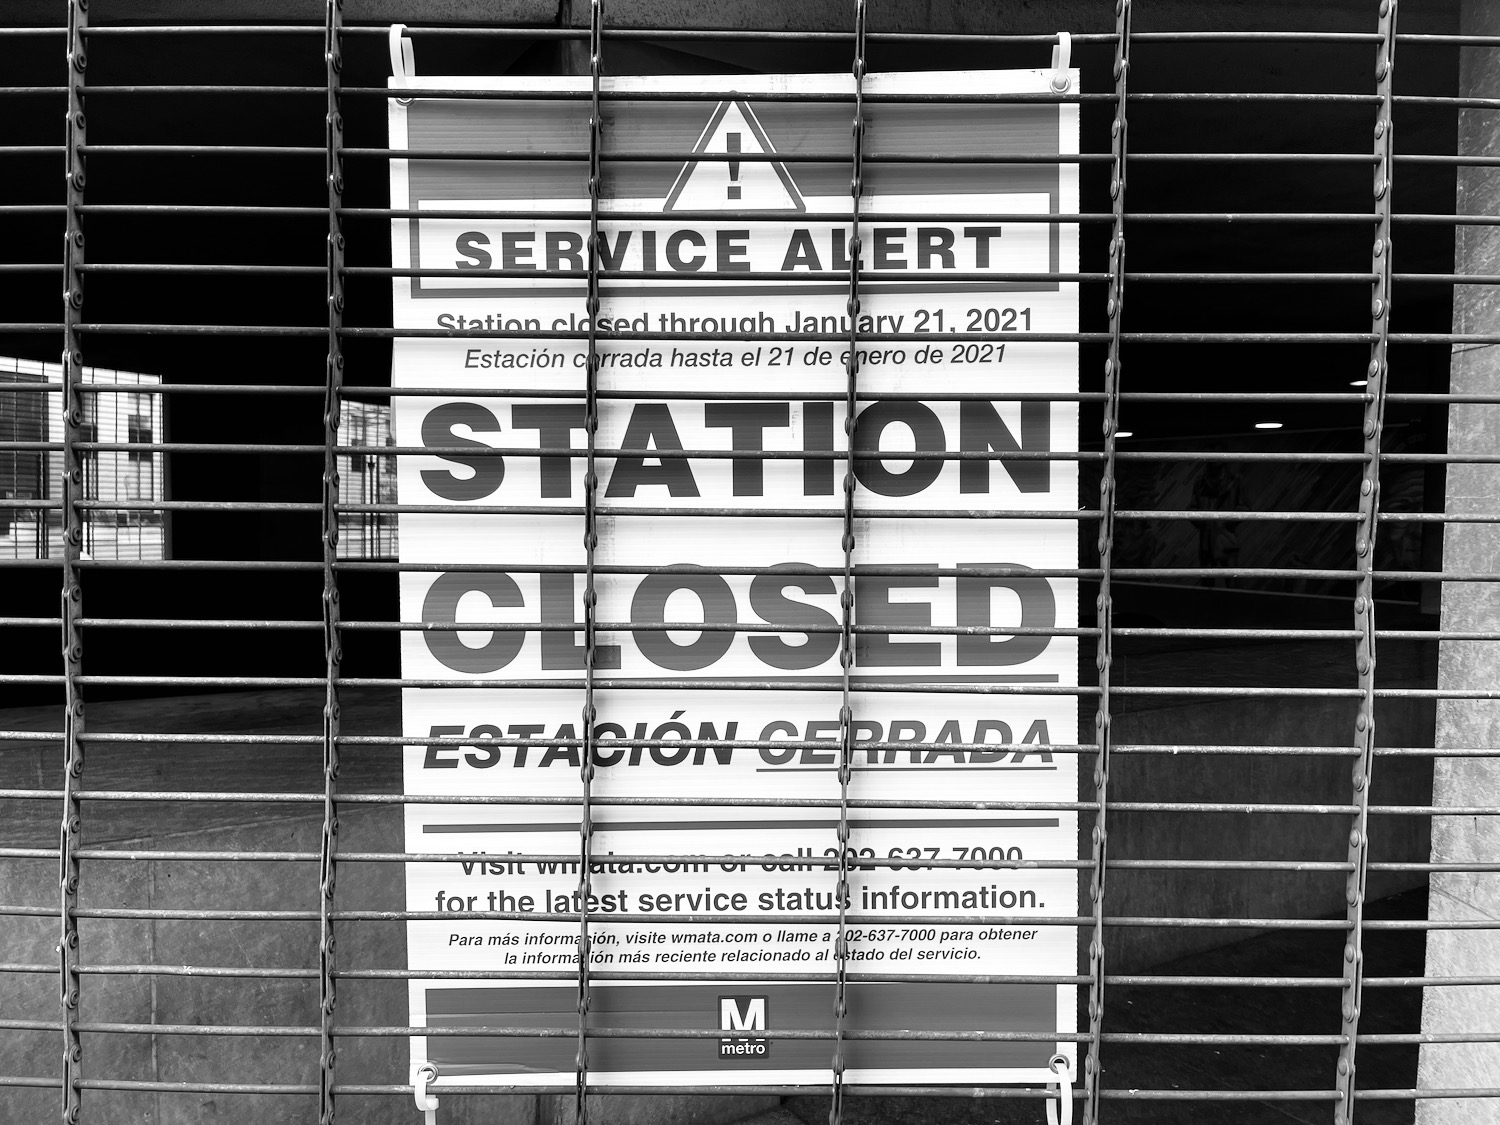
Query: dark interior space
pixel 166 268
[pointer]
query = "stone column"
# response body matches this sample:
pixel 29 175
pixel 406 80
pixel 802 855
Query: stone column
pixel 1470 607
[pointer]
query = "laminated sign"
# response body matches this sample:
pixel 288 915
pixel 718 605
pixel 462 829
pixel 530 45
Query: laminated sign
pixel 723 341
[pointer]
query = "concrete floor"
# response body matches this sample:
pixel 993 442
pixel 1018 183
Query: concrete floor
pixel 288 766
pixel 1220 1011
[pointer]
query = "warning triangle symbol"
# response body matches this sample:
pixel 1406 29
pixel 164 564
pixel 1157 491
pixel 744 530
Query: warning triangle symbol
pixel 734 185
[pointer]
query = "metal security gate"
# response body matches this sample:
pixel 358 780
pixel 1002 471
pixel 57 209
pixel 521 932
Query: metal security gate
pixel 1274 481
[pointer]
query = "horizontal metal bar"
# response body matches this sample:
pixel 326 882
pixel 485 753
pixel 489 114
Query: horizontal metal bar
pixel 1174 749
pixel 664 34
pixel 1172 981
pixel 262 389
pixel 1397 1038
pixel 574 451
pixel 241 506
pixel 514 1032
pixel 935 395
pixel 644 156
pixel 253 797
pixel 612 510
pixel 686 214
pixel 400 626
pixel 1445 161
pixel 1427 1093
pixel 870 684
pixel 832 97
pixel 118 31
pixel 1291 97
pixel 674 156
pixel 620 626
pixel 168 564
pixel 195 89
pixel 1001 1092
pixel 1064 217
pixel 196 1087
pixel 1161 277
pixel 1165 922
pixel 1439 752
pixel 236 269
pixel 1144 980
pixel 770 860
pixel 739 276
pixel 262 973
pixel 864 685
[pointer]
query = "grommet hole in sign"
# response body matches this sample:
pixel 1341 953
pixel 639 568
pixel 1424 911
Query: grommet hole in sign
pixel 1062 61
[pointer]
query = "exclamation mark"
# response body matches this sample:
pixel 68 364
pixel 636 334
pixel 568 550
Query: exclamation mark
pixel 732 142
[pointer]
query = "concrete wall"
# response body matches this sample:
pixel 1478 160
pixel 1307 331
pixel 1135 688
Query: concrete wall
pixel 268 1002
pixel 1468 897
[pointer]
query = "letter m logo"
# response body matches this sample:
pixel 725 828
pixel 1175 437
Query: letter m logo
pixel 742 1013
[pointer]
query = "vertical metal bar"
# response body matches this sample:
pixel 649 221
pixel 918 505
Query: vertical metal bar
pixel 332 642
pixel 1092 1068
pixel 846 599
pixel 590 544
pixel 1364 551
pixel 72 542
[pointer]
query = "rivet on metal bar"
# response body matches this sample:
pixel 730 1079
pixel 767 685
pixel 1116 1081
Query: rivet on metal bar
pixel 1062 58
pixel 427 1105
pixel 1060 1112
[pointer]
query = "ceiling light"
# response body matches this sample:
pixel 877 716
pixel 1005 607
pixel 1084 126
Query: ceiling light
pixel 1359 382
pixel 1268 425
pixel 1124 433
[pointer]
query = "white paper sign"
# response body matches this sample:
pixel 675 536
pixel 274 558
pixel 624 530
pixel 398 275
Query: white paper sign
pixel 723 375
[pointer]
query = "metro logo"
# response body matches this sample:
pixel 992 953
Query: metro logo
pixel 743 1013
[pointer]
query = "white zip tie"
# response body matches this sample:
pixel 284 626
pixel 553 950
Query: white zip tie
pixel 1063 1088
pixel 403 56
pixel 1062 60
pixel 426 1103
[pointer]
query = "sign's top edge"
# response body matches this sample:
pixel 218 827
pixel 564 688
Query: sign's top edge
pixel 907 82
